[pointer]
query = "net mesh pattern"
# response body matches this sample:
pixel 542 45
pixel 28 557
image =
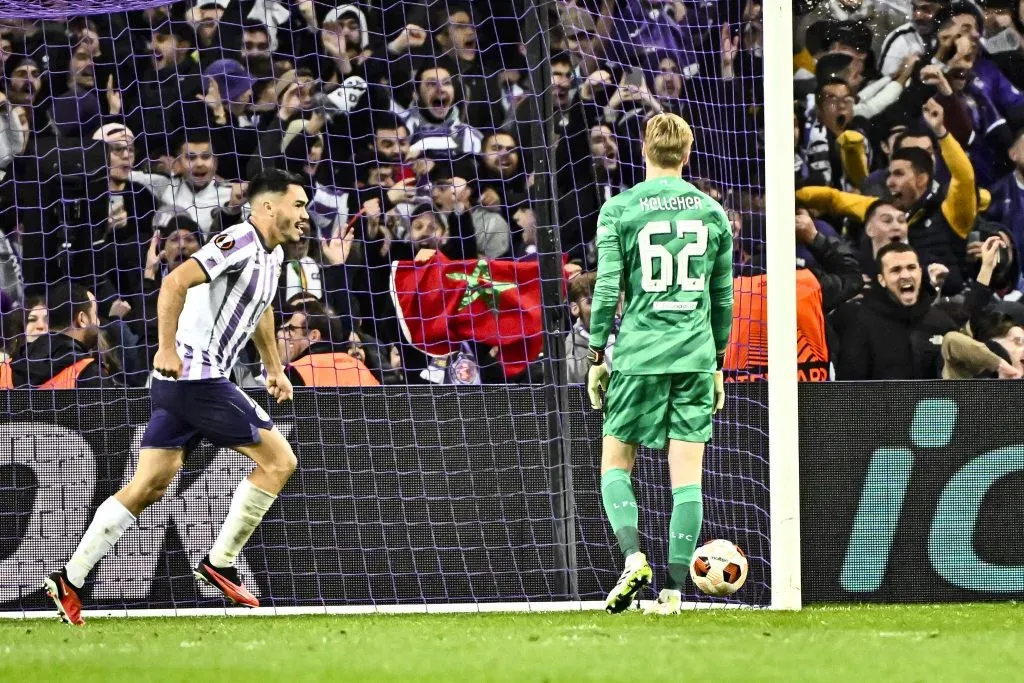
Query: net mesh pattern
pixel 458 133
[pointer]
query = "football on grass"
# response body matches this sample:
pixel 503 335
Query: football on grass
pixel 719 568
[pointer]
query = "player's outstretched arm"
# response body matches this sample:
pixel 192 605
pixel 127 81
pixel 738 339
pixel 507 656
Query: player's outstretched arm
pixel 168 309
pixel 278 384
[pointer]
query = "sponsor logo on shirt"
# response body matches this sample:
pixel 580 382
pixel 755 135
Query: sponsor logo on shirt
pixel 224 241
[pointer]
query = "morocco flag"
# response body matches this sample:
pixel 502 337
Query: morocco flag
pixel 442 303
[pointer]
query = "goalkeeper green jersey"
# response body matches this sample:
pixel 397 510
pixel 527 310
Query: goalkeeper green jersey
pixel 668 246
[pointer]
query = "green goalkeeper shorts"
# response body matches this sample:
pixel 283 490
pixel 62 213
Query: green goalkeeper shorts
pixel 650 409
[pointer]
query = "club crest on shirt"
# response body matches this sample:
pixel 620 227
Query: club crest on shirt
pixel 224 241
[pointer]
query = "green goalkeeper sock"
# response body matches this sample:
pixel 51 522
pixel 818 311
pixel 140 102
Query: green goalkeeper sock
pixel 683 531
pixel 620 508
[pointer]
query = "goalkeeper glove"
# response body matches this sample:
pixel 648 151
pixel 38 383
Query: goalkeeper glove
pixel 719 391
pixel 597 377
pixel 719 382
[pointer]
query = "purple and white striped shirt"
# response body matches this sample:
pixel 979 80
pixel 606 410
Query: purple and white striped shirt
pixel 220 316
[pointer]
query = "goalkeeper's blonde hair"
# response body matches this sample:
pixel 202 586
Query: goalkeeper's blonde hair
pixel 668 140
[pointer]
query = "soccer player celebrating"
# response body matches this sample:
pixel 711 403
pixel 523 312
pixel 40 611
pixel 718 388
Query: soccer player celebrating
pixel 208 309
pixel 671 246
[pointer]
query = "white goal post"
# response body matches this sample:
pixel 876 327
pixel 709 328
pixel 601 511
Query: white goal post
pixel 783 437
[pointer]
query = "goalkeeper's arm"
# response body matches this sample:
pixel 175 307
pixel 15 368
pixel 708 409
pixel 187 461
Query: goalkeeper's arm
pixel 606 300
pixel 720 291
pixel 606 289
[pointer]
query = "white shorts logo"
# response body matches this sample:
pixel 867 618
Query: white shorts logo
pixel 260 413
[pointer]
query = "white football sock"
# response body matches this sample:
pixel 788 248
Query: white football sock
pixel 248 506
pixel 111 520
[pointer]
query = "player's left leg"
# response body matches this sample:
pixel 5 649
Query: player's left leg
pixel 233 420
pixel 275 463
pixel 634 414
pixel 690 424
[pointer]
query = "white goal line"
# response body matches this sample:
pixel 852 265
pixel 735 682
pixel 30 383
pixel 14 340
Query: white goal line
pixel 351 610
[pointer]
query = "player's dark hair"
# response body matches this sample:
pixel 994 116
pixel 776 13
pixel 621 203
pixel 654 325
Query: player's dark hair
pixel 273 180
pixel 893 248
pixel 64 301
pixel 877 204
pixel 920 160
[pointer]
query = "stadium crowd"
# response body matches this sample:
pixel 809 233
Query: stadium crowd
pixel 909 164
pixel 126 140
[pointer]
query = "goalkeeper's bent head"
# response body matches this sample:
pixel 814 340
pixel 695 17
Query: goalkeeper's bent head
pixel 668 140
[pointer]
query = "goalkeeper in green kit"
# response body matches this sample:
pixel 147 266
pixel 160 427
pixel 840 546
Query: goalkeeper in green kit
pixel 669 247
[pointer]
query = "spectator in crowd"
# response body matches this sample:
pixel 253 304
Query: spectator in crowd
pixel 879 15
pixel 916 37
pixel 10 341
pixel 24 87
pixel 170 246
pixel 577 342
pixel 323 279
pixel 884 223
pixel 37 318
pixel 169 91
pixel 310 344
pixel 935 222
pixel 76 101
pixel 992 340
pixel 257 53
pixel 435 121
pixel 459 42
pixel 228 96
pixel 65 357
pixel 454 198
pixel 832 280
pixel 130 211
pixel 193 187
pixel 834 152
pixel 500 170
pixel 897 334
pixel 994 351
pixel 1007 207
pixel 995 107
pixel 904 137
pixel 11 284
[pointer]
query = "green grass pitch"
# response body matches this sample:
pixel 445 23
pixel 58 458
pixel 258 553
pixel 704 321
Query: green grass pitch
pixel 863 644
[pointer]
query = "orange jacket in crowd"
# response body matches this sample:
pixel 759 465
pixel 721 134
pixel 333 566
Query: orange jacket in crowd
pixel 330 369
pixel 746 358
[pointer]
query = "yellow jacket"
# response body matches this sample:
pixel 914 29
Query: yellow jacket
pixel 959 207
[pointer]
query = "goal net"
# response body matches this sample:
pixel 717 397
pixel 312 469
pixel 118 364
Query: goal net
pixel 456 155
